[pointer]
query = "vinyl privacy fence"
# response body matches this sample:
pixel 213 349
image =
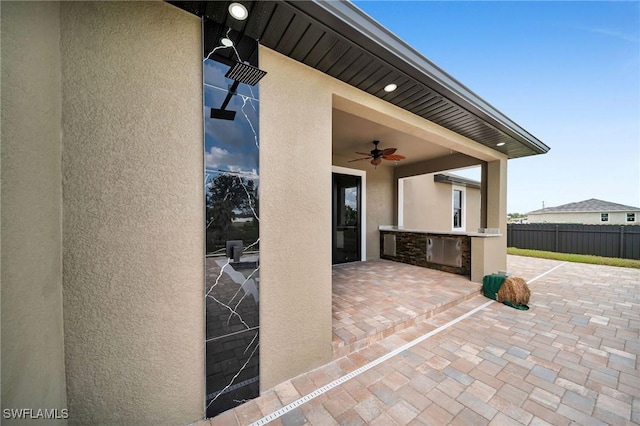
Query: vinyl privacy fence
pixel 599 240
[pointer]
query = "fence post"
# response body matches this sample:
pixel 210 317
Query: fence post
pixel 557 232
pixel 621 251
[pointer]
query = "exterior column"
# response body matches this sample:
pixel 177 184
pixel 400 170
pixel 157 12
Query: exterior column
pixel 133 213
pixel 33 370
pixel 489 254
pixel 497 195
pixel 483 195
pixel 295 236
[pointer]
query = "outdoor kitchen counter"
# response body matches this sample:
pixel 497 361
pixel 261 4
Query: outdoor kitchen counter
pixel 452 233
pixel 445 251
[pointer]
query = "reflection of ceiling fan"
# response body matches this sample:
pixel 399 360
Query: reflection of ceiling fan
pixel 376 155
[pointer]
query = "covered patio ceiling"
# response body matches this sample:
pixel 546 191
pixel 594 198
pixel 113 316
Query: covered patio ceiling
pixel 338 39
pixel 351 133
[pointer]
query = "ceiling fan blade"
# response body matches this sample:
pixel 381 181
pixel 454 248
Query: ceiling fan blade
pixel 394 157
pixel 363 153
pixel 376 161
pixel 358 159
pixel 388 151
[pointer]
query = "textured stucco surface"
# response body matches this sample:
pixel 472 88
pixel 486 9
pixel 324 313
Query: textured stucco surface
pixel 32 326
pixel 484 258
pixel 474 206
pixel 497 214
pixel 295 227
pixel 380 195
pixel 428 205
pixel 133 213
pixel 295 219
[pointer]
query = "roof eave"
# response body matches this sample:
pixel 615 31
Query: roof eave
pixel 349 20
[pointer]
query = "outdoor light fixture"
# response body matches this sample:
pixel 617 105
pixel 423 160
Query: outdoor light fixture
pixel 238 11
pixel 500 144
pixel 390 87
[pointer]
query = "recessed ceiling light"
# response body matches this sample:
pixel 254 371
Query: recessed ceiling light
pixel 390 87
pixel 227 42
pixel 500 144
pixel 238 11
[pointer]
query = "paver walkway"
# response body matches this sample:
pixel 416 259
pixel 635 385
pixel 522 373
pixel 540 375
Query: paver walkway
pixel 571 359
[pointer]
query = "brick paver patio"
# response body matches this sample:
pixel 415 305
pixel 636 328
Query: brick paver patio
pixel 374 299
pixel 571 359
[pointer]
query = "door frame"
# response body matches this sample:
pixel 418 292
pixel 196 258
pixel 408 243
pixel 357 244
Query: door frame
pixel 363 205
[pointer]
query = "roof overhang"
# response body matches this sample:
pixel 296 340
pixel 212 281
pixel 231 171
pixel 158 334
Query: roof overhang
pixel 456 180
pixel 338 39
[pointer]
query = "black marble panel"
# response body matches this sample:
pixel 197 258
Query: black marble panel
pixel 232 371
pixel 231 190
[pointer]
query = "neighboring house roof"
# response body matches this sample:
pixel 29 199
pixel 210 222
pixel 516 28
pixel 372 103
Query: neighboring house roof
pixel 456 180
pixel 339 39
pixel 593 205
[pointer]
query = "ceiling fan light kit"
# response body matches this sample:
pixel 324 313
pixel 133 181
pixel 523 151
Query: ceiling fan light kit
pixel 377 155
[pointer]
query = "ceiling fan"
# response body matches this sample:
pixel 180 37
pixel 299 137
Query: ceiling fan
pixel 377 155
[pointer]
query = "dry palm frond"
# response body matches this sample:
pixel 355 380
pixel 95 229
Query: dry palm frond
pixel 514 290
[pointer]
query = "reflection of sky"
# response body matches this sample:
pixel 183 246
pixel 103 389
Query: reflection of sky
pixel 230 145
pixel 213 74
pixel 351 197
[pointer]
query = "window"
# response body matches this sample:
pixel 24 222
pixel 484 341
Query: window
pixel 631 217
pixel 604 217
pixel 458 206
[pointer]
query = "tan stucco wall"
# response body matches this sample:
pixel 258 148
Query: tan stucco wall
pixel 32 326
pixel 295 219
pixel 484 258
pixel 426 204
pixel 132 209
pixel 295 224
pixel 592 218
pixel 474 204
pixel 429 205
pixel 133 213
pixel 496 172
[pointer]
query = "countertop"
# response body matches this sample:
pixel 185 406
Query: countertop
pixel 425 231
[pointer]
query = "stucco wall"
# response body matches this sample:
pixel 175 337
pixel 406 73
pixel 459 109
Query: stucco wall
pixel 295 224
pixel 496 256
pixel 474 204
pixel 592 218
pixel 428 204
pixel 295 219
pixel 133 213
pixel 32 330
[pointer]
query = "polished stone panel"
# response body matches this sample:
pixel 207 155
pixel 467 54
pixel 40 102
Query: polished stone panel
pixel 231 190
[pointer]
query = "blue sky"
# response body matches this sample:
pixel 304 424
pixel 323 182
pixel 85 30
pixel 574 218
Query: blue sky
pixel 567 72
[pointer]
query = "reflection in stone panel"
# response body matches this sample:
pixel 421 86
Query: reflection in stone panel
pixel 232 371
pixel 232 295
pixel 232 330
pixel 233 209
pixel 232 220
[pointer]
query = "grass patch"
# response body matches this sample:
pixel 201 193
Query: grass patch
pixel 579 258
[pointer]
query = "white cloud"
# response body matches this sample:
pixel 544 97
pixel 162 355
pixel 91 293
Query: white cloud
pixel 218 157
pixel 221 159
